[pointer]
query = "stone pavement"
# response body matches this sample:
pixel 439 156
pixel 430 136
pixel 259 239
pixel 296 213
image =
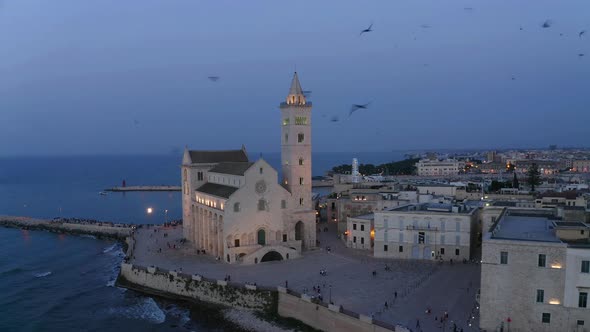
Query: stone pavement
pixel 349 281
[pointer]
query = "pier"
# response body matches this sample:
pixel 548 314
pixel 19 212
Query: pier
pixel 144 188
pixel 98 229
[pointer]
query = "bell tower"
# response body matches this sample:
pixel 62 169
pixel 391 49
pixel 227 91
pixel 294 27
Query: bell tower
pixel 296 146
pixel 296 164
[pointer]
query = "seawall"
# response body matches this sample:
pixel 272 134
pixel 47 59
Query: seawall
pixel 109 230
pixel 145 188
pixel 279 300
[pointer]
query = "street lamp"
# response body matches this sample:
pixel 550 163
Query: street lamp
pixel 165 216
pixel 149 210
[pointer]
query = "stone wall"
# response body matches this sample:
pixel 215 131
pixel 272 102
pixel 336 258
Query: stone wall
pixel 328 317
pixel 118 231
pixel 196 288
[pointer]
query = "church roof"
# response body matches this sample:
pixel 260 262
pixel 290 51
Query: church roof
pixel 233 168
pixel 218 190
pixel 218 156
pixel 295 86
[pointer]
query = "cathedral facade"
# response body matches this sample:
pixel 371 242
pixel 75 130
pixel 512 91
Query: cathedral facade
pixel 238 211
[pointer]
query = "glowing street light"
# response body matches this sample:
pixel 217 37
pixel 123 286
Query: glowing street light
pixel 149 210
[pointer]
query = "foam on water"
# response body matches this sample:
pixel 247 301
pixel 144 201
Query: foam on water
pixel 145 309
pixel 88 236
pixel 42 274
pixel 110 248
pixel 182 314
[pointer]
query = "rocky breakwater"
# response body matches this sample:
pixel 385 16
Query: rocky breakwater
pixel 70 226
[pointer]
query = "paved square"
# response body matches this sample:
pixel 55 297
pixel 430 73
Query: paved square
pixel 349 281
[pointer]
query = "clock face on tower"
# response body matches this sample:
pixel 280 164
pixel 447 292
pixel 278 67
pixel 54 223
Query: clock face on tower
pixel 260 187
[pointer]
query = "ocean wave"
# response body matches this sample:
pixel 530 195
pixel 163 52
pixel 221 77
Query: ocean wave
pixel 88 236
pixel 183 315
pixel 42 274
pixel 109 249
pixel 146 309
pixel 12 271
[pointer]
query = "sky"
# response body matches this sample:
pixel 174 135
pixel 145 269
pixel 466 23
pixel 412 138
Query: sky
pixel 130 77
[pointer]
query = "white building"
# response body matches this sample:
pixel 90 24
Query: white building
pixel 359 231
pixel 425 231
pixel 428 167
pixel 238 210
pixel 535 273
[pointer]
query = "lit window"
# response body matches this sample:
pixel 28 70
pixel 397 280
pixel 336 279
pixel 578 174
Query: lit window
pixel 300 120
pixel 300 138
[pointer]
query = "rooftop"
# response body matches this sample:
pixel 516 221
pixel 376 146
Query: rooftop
pixel 217 156
pixel 370 216
pixel 519 226
pixel 232 168
pixel 218 190
pixel 433 207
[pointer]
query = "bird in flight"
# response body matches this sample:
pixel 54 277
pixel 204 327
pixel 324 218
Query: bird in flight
pixel 425 26
pixel 369 29
pixel 581 33
pixel 213 78
pixel 334 118
pixel 356 107
pixel 136 122
pixel 581 54
pixel 468 8
pixel 547 24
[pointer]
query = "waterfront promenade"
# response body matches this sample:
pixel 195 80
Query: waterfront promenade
pixel 144 188
pixel 349 280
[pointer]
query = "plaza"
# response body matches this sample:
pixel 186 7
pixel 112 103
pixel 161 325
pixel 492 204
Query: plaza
pixel 349 280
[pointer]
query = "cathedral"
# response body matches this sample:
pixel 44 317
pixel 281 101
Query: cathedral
pixel 237 210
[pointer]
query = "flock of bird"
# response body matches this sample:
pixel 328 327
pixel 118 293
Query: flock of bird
pixel 356 107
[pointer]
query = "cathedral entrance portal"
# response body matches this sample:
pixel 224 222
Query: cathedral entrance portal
pixel 261 237
pixel 271 256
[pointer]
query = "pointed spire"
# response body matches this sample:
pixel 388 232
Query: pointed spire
pixel 186 158
pixel 295 96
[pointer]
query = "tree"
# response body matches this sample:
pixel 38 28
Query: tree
pixel 533 176
pixel 515 183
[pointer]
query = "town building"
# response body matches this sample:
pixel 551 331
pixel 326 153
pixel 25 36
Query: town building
pixel 582 166
pixel 238 210
pixel 535 273
pixel 428 167
pixel 359 234
pixel 426 231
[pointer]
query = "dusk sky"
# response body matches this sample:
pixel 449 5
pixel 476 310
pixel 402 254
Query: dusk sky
pixel 112 76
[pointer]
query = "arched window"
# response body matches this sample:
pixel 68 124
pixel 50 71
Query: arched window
pixel 300 137
pixel 300 161
pixel 237 207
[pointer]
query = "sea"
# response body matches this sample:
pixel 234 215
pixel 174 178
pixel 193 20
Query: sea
pixel 58 282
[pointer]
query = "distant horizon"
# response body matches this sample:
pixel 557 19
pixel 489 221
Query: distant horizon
pixel 439 150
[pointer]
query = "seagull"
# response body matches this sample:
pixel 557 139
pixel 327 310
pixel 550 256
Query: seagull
pixel 581 54
pixel 521 28
pixel 136 122
pixel 468 8
pixel 367 29
pixel 356 107
pixel 213 78
pixel 425 26
pixel 581 33
pixel 513 78
pixel 547 24
pixel 334 118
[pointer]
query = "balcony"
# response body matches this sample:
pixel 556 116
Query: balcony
pixel 422 228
